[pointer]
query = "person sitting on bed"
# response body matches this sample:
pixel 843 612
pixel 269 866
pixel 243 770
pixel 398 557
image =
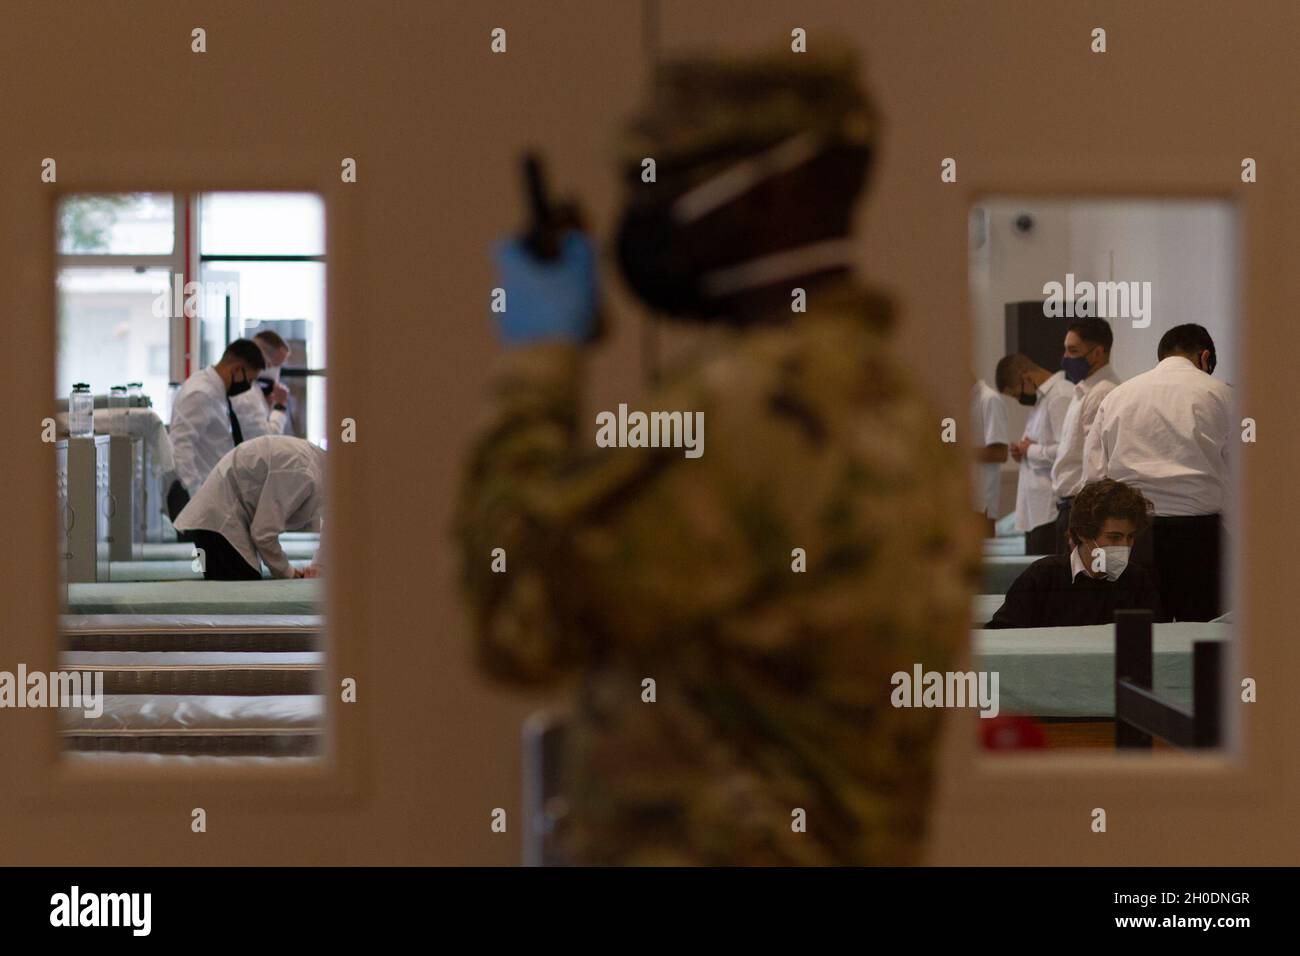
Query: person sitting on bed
pixel 1093 581
pixel 259 490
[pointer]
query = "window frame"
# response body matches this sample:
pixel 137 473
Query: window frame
pixel 38 772
pixel 201 258
pixel 174 262
pixel 1058 788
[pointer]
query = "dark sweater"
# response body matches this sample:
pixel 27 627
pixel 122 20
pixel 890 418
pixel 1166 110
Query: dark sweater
pixel 1044 596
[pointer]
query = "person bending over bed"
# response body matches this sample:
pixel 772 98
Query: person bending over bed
pixel 1093 581
pixel 264 487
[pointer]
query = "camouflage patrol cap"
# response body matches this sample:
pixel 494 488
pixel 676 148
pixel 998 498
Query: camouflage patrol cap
pixel 706 108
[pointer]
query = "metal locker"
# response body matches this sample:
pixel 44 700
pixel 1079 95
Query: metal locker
pixel 154 500
pixel 89 508
pixel 126 487
pixel 61 492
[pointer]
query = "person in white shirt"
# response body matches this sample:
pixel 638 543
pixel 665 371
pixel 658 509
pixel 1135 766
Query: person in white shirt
pixel 259 490
pixel 204 425
pixel 264 410
pixel 991 438
pixel 1048 393
pixel 1168 432
pixel 1086 364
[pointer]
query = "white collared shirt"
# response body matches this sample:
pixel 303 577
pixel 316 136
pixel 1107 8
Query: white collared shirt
pixel 261 489
pixel 256 417
pixel 200 428
pixel 989 427
pixel 1035 501
pixel 1077 567
pixel 1168 433
pixel 1067 471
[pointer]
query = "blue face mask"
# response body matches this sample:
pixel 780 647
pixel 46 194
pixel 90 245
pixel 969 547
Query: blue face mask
pixel 1076 368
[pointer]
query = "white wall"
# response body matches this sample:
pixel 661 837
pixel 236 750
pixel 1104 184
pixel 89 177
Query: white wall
pixel 1009 266
pixel 1186 249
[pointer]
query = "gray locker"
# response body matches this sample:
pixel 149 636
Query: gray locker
pixel 89 508
pixel 155 498
pixel 126 498
pixel 61 490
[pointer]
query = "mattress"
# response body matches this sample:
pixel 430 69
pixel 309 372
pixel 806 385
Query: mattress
pixel 191 632
pixel 999 572
pixel 1013 545
pixel 182 551
pixel 127 571
pixel 1070 671
pixel 200 672
pixel 285 725
pixel 296 596
pixel 984 606
pixel 126 761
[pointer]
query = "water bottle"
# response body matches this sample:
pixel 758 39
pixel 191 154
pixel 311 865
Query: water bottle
pixel 81 412
pixel 117 408
pixel 134 399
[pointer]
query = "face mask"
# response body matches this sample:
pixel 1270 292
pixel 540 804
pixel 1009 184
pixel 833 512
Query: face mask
pixel 1076 368
pixel 653 244
pixel 239 387
pixel 651 255
pixel 1116 561
pixel 1027 398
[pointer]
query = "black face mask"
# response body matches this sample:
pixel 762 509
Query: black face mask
pixel 651 255
pixel 665 261
pixel 238 388
pixel 1028 399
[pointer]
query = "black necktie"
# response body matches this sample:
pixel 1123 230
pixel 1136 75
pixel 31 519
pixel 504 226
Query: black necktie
pixel 235 431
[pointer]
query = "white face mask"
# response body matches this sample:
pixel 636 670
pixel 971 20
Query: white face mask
pixel 1113 561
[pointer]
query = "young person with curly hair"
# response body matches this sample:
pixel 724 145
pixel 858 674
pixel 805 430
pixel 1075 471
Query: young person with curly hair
pixel 1093 581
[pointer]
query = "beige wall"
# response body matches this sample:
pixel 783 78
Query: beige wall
pixel 435 123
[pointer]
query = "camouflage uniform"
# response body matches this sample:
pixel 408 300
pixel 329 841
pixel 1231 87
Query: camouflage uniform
pixel 773 687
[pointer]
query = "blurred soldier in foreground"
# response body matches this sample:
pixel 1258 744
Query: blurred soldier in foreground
pixel 772 685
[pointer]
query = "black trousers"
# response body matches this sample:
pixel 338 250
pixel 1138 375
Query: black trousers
pixel 1185 554
pixel 221 562
pixel 1063 525
pixel 1041 540
pixel 177 499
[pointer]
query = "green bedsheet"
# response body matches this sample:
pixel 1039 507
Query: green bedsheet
pixel 1070 671
pixel 300 596
pixel 983 607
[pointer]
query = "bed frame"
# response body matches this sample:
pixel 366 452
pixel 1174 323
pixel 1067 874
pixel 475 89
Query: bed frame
pixel 1141 714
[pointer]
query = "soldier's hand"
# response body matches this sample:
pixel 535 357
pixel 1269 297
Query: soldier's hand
pixel 552 300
